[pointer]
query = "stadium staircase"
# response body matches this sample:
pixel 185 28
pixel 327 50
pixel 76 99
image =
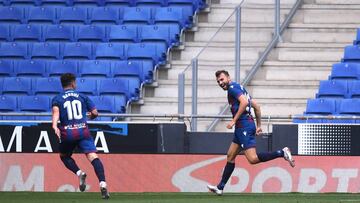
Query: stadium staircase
pixel 313 42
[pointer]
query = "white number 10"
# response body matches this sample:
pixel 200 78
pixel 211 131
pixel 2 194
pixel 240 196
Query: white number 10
pixel 73 109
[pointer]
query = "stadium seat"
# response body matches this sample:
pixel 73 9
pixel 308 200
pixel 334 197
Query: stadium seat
pixel 4 32
pixel 122 3
pixel 23 2
pixel 104 104
pixel 34 103
pixel 136 15
pixel 46 86
pixel 6 68
pixel 57 68
pixel 58 33
pixel 16 86
pixel 90 68
pixel 345 71
pixel 146 52
pixel 26 33
pixel 150 3
pixel 155 33
pixel 72 15
pixel 354 89
pixel 45 50
pixel 173 15
pixel 87 3
pixel 104 15
pixel 349 106
pixel 114 86
pixel 332 89
pixel 87 86
pixel 109 51
pixel 41 15
pixel 127 69
pixel 12 15
pixel 30 68
pixel 13 50
pixel 54 2
pixel 320 107
pixel 90 33
pixel 120 104
pixel 351 54
pixel 196 4
pixel 8 103
pixel 122 33
pixel 77 50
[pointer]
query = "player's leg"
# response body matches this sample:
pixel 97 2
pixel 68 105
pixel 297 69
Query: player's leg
pixel 228 169
pixel 88 147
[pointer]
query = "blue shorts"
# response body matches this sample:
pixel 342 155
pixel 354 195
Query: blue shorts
pixel 245 136
pixel 85 145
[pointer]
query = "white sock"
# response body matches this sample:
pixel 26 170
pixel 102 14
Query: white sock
pixel 102 184
pixel 78 173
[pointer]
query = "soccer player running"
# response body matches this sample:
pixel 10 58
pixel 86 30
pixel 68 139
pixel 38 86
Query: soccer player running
pixel 245 130
pixel 71 108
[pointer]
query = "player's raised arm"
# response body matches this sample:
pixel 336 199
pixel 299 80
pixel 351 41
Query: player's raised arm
pixel 93 114
pixel 257 116
pixel 55 119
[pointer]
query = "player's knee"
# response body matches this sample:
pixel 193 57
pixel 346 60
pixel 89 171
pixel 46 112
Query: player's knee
pixel 253 160
pixel 91 156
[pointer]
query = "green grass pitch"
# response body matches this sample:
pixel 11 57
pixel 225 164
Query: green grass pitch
pixel 89 197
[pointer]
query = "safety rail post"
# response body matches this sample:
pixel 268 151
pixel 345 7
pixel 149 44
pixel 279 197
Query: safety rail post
pixel 277 20
pixel 194 64
pixel 237 44
pixel 181 94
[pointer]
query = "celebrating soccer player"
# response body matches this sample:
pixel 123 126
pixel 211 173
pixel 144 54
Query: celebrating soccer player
pixel 245 130
pixel 71 108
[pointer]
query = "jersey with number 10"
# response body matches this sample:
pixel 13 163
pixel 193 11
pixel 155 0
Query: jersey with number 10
pixel 73 107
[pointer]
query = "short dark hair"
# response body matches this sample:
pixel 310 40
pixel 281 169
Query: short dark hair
pixel 67 79
pixel 218 73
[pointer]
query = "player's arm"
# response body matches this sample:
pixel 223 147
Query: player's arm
pixel 242 106
pixel 257 116
pixel 93 114
pixel 55 119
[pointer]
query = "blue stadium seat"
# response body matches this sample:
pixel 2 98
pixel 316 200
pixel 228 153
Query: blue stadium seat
pixel 4 32
pixel 104 104
pixel 147 70
pixel 8 103
pixel 120 103
pixel 12 14
pixel 114 86
pixel 54 2
pixel 320 107
pixel 72 15
pixel 196 4
pixel 345 71
pixel 57 68
pixel 77 50
pixel 349 106
pixel 136 15
pixel 41 15
pixel 357 41
pixel 23 2
pixel 45 50
pixel 332 89
pixel 87 3
pixel 121 3
pixel 87 86
pixel 30 68
pixel 133 79
pixel 104 15
pixel 150 3
pixel 173 15
pixel 34 103
pixel 145 51
pixel 155 33
pixel 109 51
pixel 91 68
pixel 6 68
pixel 351 54
pixel 46 86
pixel 354 89
pixel 58 33
pixel 17 86
pixel 26 33
pixel 127 69
pixel 13 50
pixel 90 33
pixel 122 33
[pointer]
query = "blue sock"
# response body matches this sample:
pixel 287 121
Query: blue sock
pixel 267 156
pixel 70 163
pixel 99 169
pixel 229 168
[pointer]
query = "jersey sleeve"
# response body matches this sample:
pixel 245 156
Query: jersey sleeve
pixel 89 104
pixel 55 102
pixel 235 91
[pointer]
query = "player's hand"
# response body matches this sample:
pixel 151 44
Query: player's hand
pixel 57 132
pixel 258 130
pixel 230 124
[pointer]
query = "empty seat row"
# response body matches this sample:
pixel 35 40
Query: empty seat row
pixel 89 86
pixel 351 54
pixel 78 50
pixel 169 34
pixel 345 71
pixel 84 15
pixel 195 4
pixel 11 103
pixel 143 70
pixel 339 89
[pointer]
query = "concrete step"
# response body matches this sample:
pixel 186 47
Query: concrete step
pixel 307 54
pixel 327 15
